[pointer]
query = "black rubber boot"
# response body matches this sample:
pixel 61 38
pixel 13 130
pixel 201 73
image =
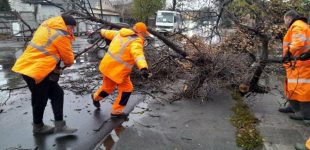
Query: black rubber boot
pixel 61 127
pixel 300 146
pixel 119 116
pixel 296 116
pixel 287 109
pixel 42 129
pixel 95 103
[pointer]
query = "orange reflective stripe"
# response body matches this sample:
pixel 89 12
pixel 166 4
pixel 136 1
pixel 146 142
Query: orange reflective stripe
pixel 44 51
pixel 48 43
pixel 301 36
pixel 140 58
pixel 123 46
pixel 119 60
pixel 298 80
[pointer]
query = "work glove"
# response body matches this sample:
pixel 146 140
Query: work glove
pixel 305 56
pixel 94 37
pixel 55 74
pixel 144 73
pixel 286 58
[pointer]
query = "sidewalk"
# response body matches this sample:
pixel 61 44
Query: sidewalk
pixel 183 125
pixel 279 132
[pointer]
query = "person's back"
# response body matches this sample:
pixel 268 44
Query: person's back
pixel 50 45
pixel 296 48
pixel 126 50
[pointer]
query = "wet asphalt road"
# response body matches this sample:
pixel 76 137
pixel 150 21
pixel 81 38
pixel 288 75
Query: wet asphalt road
pixel 182 125
pixel 16 117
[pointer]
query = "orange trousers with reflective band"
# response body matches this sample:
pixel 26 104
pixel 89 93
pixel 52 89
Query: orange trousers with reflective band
pixel 108 86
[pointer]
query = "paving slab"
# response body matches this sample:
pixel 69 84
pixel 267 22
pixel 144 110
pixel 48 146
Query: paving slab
pixel 278 131
pixel 187 124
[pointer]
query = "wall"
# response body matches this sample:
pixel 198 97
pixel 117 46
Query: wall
pixel 46 11
pixel 19 6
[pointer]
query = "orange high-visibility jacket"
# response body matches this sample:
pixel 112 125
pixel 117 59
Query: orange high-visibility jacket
pixel 308 143
pixel 50 44
pixel 297 41
pixel 125 50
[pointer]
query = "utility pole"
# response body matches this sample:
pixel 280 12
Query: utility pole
pixel 101 11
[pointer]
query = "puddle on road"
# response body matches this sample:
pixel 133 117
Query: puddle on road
pixel 83 69
pixel 8 56
pixel 7 59
pixel 139 112
pixel 111 139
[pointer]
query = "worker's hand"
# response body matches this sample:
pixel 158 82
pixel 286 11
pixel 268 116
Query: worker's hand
pixel 304 56
pixel 145 73
pixel 68 65
pixel 286 58
pixel 94 37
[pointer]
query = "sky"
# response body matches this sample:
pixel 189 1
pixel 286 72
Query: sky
pixel 192 4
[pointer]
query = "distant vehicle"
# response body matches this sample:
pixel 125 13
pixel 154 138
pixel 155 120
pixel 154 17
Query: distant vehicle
pixel 168 21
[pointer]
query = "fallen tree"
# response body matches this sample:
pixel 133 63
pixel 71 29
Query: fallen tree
pixel 212 66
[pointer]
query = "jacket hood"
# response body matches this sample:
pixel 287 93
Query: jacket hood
pixel 126 32
pixel 299 18
pixel 56 23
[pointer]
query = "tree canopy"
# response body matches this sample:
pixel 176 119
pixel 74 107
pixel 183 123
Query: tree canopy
pixel 143 9
pixel 4 5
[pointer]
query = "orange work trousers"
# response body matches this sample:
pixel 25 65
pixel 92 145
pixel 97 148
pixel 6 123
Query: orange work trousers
pixel 108 87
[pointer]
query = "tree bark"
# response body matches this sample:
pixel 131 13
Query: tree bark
pixel 262 64
pixel 174 3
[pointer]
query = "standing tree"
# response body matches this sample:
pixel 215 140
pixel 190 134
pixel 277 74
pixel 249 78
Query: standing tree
pixel 4 5
pixel 143 9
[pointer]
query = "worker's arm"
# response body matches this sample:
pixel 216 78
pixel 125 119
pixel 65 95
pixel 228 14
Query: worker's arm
pixel 64 47
pixel 108 34
pixel 298 39
pixel 136 50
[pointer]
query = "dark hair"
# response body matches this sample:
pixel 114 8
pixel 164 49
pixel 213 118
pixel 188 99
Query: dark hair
pixel 69 20
pixel 292 13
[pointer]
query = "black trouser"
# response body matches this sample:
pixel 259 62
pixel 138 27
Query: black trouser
pixel 40 93
pixel 304 107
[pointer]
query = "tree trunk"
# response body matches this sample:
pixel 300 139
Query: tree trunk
pixel 174 3
pixel 193 85
pixel 263 57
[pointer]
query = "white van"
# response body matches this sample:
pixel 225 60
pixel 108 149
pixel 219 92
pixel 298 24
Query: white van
pixel 168 21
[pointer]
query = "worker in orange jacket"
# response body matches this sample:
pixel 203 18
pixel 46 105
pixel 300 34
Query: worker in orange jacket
pixel 296 58
pixel 125 50
pixel 39 66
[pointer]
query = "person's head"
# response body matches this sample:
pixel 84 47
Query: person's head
pixel 70 22
pixel 141 29
pixel 289 16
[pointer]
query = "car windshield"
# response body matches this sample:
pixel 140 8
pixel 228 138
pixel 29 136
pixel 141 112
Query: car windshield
pixel 165 18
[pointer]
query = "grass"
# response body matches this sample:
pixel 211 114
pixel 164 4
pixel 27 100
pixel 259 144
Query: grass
pixel 247 136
